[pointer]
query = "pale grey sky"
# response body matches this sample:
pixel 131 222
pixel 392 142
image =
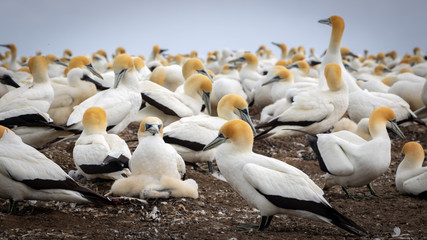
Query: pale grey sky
pixel 181 26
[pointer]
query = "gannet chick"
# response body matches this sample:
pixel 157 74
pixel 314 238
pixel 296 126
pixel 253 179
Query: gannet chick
pixel 270 185
pixel 180 134
pixel 27 174
pixel 121 103
pixel 98 154
pixel 351 161
pixel 314 111
pixel 154 167
pixel 411 176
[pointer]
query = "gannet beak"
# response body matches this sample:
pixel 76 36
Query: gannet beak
pixel 153 128
pixel 162 50
pixel 386 70
pixel 203 71
pixel 350 68
pixel 240 59
pixel 244 115
pixel 97 84
pixel 326 21
pixel 207 101
pixel 5 45
pixel 92 70
pixel 232 67
pixel 324 53
pixel 412 64
pixel 353 55
pixel 275 44
pixel 119 77
pixel 393 126
pixel 6 79
pixel 217 141
pixel 57 61
pixel 292 66
pixel 275 79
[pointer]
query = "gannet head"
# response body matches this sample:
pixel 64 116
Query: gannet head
pixel 281 62
pixel 333 77
pixel 94 120
pixel 236 132
pixel 233 105
pixel 150 126
pixel 282 46
pixel 193 65
pixel 83 62
pixel 380 69
pixel 202 85
pixel 38 68
pixel 381 117
pixel 158 75
pixel 12 48
pixel 248 57
pixel 414 153
pixel 123 63
pixel 298 57
pixel 138 63
pixel 338 25
pixel 67 53
pixel 302 65
pixel 282 74
pixel 52 59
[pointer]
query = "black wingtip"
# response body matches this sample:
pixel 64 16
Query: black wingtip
pixel 345 223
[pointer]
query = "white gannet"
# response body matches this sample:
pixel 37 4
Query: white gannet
pixel 77 62
pixel 98 154
pixel 270 185
pixel 121 103
pixel 411 176
pixel 169 77
pixel 314 111
pixel 27 174
pixel 170 106
pixel 13 63
pixel 283 50
pixel 277 77
pixel 361 128
pixel 228 71
pixel 410 91
pixel 361 102
pixel 351 161
pixel 180 134
pixel 154 166
pixel 55 67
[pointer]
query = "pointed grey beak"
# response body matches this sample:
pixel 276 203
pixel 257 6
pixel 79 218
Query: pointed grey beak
pixel 240 59
pixel 326 21
pixel 393 126
pixel 386 70
pixel 244 115
pixel 350 68
pixel 275 44
pixel 5 45
pixel 216 142
pixel 162 50
pixel 292 66
pixel 119 77
pixel 207 101
pixel 6 79
pixel 153 128
pixel 275 79
pixel 203 71
pixel 92 70
pixel 57 61
pixel 232 67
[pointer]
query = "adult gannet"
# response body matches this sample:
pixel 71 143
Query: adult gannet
pixel 170 106
pixel 121 102
pixel 277 79
pixel 79 88
pixel 27 174
pixel 411 176
pixel 169 77
pixel 77 62
pixel 351 161
pixel 180 134
pixel 98 154
pixel 67 55
pixel 154 166
pixel 12 63
pixel 314 111
pixel 283 50
pixel 270 185
pixel 55 67
pixel 361 103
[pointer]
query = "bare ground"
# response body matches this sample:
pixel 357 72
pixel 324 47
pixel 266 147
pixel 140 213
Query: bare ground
pixel 219 208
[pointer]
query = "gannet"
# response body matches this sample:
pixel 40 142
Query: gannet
pixel 180 134
pixel 270 185
pixel 351 161
pixel 98 154
pixel 55 67
pixel 154 166
pixel 27 174
pixel 411 176
pixel 314 111
pixel 13 63
pixel 121 103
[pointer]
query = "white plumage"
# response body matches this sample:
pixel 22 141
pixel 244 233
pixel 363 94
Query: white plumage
pixel 411 176
pixel 271 186
pixel 154 166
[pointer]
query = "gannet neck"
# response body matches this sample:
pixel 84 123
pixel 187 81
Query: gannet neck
pixel 190 66
pixel 333 77
pixel 197 83
pixel 38 68
pixel 338 26
pixel 378 122
pixel 227 105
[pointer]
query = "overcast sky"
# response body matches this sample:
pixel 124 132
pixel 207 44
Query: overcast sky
pixel 85 26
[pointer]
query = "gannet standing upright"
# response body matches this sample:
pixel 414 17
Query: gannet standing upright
pixel 270 185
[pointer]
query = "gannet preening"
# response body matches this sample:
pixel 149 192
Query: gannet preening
pixel 98 154
pixel 27 174
pixel 351 161
pixel 155 167
pixel 314 111
pixel 411 176
pixel 171 106
pixel 180 134
pixel 121 103
pixel 268 184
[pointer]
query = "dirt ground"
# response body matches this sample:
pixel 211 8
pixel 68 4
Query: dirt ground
pixel 219 208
